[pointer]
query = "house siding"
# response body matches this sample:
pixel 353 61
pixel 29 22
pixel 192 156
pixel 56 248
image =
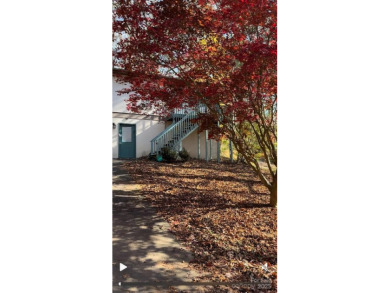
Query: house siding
pixel 147 127
pixel 146 130
pixel 190 143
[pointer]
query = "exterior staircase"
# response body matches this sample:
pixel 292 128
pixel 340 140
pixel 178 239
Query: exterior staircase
pixel 181 127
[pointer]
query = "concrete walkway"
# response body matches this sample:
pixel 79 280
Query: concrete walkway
pixel 142 242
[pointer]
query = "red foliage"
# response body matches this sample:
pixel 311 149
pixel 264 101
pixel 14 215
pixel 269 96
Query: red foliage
pixel 220 53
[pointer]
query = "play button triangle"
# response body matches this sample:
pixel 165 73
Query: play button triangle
pixel 122 267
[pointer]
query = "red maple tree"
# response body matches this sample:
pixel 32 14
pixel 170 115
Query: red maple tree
pixel 221 54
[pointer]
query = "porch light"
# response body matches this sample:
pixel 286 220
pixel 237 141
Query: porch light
pixel 113 125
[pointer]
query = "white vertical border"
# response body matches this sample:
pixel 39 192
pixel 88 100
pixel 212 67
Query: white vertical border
pixel 334 149
pixel 55 179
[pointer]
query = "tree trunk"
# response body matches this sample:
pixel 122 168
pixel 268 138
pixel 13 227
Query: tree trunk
pixel 274 193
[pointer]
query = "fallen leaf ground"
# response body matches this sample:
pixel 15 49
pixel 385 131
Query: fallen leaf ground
pixel 220 212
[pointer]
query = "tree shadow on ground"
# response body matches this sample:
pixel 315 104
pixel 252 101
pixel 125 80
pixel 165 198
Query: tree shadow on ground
pixel 141 241
pixel 189 198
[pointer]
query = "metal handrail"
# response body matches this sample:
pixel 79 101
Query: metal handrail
pixel 175 133
pixel 183 111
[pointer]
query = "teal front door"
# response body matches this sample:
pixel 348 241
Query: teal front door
pixel 126 141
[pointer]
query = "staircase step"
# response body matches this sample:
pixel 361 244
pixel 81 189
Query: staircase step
pixel 181 131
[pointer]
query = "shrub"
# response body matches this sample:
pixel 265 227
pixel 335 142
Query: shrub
pixel 168 154
pixel 184 155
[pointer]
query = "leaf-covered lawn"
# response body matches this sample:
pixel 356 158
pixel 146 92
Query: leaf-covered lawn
pixel 220 211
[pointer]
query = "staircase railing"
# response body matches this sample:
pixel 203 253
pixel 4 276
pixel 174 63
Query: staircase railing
pixel 175 133
pixel 183 111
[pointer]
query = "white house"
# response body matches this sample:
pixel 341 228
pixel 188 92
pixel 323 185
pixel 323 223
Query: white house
pixel 135 135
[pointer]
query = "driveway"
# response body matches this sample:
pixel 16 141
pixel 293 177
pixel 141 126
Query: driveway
pixel 142 242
